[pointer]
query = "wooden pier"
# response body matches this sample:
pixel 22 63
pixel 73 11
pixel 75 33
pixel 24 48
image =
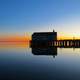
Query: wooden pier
pixel 65 43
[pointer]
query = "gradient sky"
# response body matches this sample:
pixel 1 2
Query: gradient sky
pixel 20 16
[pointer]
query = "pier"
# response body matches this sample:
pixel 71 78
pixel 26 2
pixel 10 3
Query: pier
pixel 65 43
pixel 49 39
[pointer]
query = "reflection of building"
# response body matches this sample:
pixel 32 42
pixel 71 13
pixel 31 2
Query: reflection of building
pixel 43 38
pixel 45 51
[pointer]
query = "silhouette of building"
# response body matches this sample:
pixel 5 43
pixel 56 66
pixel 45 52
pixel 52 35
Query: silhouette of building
pixel 43 38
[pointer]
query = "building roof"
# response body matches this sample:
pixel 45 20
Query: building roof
pixel 45 33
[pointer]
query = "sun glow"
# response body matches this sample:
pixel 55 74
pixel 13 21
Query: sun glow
pixel 62 36
pixel 15 38
pixel 14 41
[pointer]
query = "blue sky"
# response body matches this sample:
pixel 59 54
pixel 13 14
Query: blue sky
pixel 19 16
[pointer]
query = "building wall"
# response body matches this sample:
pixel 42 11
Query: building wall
pixel 52 37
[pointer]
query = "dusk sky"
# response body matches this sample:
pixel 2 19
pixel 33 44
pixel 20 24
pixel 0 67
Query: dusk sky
pixel 20 16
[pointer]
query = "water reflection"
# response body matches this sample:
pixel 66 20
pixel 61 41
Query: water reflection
pixel 45 51
pixel 14 65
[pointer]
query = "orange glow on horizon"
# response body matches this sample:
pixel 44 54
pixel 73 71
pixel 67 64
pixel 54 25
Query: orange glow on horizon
pixel 15 38
pixel 27 38
pixel 62 36
pixel 67 37
pixel 11 41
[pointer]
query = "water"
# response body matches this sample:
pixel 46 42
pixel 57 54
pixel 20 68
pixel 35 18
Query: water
pixel 19 63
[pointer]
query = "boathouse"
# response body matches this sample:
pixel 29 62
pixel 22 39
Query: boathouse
pixel 43 38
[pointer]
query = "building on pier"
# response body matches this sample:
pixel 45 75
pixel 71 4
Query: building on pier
pixel 43 38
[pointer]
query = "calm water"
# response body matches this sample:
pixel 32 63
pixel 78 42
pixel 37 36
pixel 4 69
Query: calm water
pixel 19 63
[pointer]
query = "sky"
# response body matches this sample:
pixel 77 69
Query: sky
pixel 28 16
